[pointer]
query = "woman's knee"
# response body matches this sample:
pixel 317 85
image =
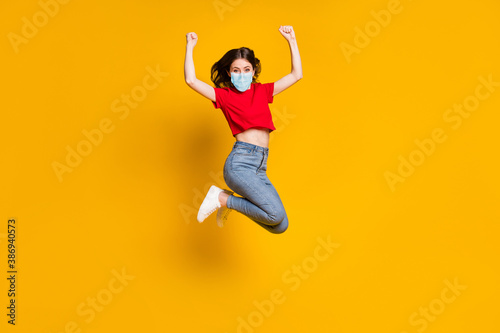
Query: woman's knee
pixel 281 227
pixel 277 216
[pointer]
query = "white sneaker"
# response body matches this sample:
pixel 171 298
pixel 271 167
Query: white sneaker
pixel 223 213
pixel 210 204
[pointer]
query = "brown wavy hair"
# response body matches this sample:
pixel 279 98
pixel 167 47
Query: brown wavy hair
pixel 219 76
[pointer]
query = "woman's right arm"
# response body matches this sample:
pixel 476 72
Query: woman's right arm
pixel 189 72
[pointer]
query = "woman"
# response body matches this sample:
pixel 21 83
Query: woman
pixel 244 102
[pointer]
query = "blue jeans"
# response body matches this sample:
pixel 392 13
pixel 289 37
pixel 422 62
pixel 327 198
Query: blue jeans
pixel 245 174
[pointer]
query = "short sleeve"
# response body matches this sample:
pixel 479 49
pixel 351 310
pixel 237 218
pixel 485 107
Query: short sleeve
pixel 220 97
pixel 269 88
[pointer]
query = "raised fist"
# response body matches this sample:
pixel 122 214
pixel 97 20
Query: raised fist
pixel 191 38
pixel 287 32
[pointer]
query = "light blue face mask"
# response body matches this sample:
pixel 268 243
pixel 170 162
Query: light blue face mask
pixel 242 81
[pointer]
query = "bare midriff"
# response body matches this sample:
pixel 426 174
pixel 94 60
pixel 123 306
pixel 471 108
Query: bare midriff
pixel 256 136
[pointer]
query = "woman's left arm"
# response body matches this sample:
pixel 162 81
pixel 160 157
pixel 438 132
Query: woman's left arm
pixel 296 73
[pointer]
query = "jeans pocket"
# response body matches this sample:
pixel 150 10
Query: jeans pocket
pixel 243 151
pixel 245 161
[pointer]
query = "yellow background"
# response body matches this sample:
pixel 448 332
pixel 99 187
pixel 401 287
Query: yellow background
pixel 131 203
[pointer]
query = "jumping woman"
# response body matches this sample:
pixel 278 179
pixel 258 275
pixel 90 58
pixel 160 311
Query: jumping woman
pixel 244 102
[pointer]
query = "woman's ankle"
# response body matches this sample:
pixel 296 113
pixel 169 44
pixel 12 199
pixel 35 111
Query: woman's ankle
pixel 223 198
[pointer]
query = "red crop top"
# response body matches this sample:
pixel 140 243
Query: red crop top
pixel 248 109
